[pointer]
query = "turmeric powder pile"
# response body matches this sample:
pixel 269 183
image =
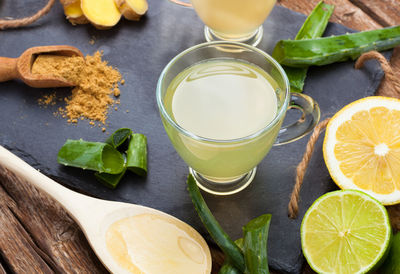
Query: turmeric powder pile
pixel 95 81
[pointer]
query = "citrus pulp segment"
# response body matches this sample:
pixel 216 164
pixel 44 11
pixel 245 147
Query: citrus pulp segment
pixel 362 148
pixel 345 231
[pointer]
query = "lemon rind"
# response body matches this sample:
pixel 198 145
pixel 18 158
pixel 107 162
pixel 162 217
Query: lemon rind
pixel 332 163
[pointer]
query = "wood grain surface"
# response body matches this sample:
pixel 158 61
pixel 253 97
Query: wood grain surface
pixel 36 234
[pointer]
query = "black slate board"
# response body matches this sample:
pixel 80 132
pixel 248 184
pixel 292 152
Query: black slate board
pixel 140 50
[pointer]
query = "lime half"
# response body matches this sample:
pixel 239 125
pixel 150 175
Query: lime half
pixel 345 231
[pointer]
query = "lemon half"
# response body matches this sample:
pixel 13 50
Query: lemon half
pixel 362 148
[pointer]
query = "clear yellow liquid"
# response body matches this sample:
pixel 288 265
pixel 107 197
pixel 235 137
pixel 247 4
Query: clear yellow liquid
pixel 222 99
pixel 149 243
pixel 233 18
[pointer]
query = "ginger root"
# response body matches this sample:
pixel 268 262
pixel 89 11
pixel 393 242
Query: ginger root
pixel 132 9
pixel 103 14
pixel 73 12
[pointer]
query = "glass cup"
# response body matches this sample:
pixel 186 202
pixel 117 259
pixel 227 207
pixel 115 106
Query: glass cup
pixel 232 20
pixel 225 167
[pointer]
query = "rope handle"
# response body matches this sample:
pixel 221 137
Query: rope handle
pixel 182 3
pixel 393 90
pixel 301 169
pixel 16 23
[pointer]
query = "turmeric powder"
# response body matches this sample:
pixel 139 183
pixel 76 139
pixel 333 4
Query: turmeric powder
pixel 66 67
pixel 46 100
pixel 95 80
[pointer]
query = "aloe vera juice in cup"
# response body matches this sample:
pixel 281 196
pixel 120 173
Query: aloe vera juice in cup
pixel 223 100
pixel 222 105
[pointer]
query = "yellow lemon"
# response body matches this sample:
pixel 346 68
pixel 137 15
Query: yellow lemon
pixel 362 148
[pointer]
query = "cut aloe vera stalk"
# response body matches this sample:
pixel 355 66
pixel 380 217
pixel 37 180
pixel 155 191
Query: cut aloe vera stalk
pixel 345 231
pixel 228 268
pixel 230 249
pixel 313 27
pixel 255 236
pixel 96 156
pixel 119 137
pixel 327 50
pixel 136 155
pixel 315 24
pixel 110 180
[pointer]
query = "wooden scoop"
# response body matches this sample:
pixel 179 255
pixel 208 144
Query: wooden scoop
pixel 20 68
pixel 96 216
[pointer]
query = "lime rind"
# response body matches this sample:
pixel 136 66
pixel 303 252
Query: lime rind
pixel 330 141
pixel 384 246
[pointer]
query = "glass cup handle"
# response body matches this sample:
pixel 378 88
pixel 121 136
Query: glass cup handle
pixel 308 120
pixel 181 3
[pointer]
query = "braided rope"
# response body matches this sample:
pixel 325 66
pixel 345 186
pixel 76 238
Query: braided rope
pixel 182 3
pixel 301 169
pixel 16 23
pixel 393 90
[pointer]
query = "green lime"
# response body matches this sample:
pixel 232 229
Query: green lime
pixel 345 231
pixel 392 263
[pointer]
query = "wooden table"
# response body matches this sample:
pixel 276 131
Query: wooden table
pixel 36 234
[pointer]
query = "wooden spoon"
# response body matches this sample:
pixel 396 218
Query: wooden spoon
pixel 20 68
pixel 96 216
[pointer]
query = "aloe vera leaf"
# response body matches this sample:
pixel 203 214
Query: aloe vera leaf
pixel 239 243
pixel 136 155
pixel 119 137
pixel 115 140
pixel 315 24
pixel 296 77
pixel 392 262
pixel 327 50
pixel 110 180
pixel 231 250
pixel 313 27
pixel 227 267
pixel 91 155
pixel 255 235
